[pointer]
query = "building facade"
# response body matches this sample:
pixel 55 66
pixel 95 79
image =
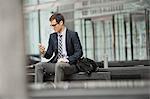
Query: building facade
pixel 116 28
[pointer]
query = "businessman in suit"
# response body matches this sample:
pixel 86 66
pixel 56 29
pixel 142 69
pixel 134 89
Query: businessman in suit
pixel 64 49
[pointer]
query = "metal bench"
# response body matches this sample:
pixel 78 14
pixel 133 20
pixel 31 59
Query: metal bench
pixel 81 76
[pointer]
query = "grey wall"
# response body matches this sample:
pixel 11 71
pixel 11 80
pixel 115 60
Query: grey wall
pixel 12 72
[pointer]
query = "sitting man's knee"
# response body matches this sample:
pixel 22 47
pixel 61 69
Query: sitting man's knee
pixel 60 65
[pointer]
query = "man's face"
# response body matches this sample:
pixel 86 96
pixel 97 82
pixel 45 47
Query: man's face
pixel 56 26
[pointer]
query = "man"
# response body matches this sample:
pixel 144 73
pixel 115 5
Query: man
pixel 65 47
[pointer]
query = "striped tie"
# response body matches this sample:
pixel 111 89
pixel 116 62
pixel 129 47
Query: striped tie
pixel 60 51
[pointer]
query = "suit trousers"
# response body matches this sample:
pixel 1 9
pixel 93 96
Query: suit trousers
pixel 59 69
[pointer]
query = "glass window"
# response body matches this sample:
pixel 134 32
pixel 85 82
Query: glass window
pixel 120 39
pixel 103 38
pixel 139 36
pixel 149 36
pixel 97 37
pixel 149 22
pixel 79 27
pixel 99 40
pixel 32 33
pixel 89 39
pixel 127 37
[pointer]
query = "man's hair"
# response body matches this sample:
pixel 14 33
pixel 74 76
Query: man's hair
pixel 58 16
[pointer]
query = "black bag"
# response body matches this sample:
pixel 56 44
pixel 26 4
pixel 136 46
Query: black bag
pixel 86 65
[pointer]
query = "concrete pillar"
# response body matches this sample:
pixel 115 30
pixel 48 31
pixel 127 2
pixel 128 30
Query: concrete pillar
pixel 12 69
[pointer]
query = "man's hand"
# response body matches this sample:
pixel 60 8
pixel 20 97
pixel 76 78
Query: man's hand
pixel 41 48
pixel 63 60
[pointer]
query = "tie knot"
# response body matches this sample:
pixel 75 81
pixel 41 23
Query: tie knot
pixel 60 36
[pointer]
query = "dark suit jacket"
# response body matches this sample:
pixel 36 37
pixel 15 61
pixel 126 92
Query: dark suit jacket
pixel 73 47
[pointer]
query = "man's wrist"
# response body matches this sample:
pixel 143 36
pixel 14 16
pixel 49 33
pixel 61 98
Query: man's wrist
pixel 42 54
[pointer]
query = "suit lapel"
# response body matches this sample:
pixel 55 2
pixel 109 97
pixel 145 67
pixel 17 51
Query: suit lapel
pixel 67 37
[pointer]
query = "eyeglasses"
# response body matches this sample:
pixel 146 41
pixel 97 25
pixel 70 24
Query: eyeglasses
pixel 54 25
